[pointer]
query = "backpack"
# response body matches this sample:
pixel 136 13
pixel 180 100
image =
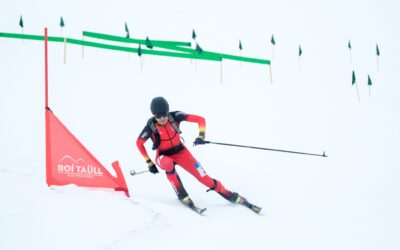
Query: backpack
pixel 152 124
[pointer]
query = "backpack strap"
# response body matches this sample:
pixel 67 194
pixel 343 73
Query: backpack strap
pixel 174 124
pixel 152 126
pixel 154 131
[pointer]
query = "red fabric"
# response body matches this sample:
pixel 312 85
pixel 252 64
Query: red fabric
pixel 186 160
pixel 168 136
pixel 69 162
pixel 140 145
pixel 196 118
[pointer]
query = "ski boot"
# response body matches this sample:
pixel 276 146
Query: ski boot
pixel 238 199
pixel 189 203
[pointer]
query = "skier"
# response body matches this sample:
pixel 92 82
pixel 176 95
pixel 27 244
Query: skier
pixel 163 129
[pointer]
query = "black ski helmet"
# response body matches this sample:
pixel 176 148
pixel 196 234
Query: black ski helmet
pixel 159 106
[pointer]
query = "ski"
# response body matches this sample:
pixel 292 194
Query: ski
pixel 198 210
pixel 189 203
pixel 243 201
pixel 253 207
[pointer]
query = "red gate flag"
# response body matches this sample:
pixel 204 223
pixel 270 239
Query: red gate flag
pixel 69 162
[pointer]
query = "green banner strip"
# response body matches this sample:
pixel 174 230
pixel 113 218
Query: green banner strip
pixel 155 43
pixel 31 37
pixel 237 58
pixel 170 45
pixel 175 46
pixel 221 55
pixel 112 47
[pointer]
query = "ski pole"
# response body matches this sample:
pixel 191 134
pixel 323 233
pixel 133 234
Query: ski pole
pixel 269 149
pixel 133 172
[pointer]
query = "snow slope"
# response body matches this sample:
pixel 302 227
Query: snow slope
pixel 349 200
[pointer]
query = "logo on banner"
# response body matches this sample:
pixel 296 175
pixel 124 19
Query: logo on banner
pixel 77 168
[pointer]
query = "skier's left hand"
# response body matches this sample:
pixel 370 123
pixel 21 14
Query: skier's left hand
pixel 199 141
pixel 152 167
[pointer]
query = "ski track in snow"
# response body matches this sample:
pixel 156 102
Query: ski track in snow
pixel 149 225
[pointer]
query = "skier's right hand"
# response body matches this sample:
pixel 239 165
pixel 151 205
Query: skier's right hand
pixel 152 167
pixel 199 141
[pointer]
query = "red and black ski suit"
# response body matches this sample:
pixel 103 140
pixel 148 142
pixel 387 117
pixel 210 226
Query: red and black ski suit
pixel 171 151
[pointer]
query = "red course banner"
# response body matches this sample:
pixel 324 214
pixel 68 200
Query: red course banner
pixel 69 162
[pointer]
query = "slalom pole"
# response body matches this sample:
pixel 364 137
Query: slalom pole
pixel 299 65
pixel 221 78
pixel 269 149
pixel 369 91
pixel 377 57
pixel 240 54
pixel 46 69
pixel 65 50
pixel 358 93
pixel 46 106
pixel 270 73
pixel 272 52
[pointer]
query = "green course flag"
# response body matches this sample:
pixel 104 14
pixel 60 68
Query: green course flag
pixel 149 44
pixel 126 28
pixel 199 50
pixel 353 81
pixel 21 22
pixel 194 35
pixel 349 46
pixel 369 85
pixel 272 49
pixel 300 51
pixel 139 51
pixel 240 45
pixel 378 53
pixel 62 24
pixel 127 31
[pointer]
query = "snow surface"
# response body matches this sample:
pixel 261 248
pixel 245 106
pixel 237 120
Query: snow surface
pixel 349 200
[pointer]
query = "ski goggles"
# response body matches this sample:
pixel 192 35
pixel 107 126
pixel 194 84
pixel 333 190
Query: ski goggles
pixel 158 116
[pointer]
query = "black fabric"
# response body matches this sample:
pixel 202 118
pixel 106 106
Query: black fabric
pixel 172 151
pixel 151 129
pixel 156 141
pixel 198 141
pixel 214 187
pixel 171 172
pixel 159 106
pixel 181 192
pixel 146 132
pixel 178 115
pixel 153 169
pixel 231 196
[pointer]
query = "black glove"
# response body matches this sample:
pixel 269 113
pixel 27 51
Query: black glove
pixel 199 141
pixel 152 167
